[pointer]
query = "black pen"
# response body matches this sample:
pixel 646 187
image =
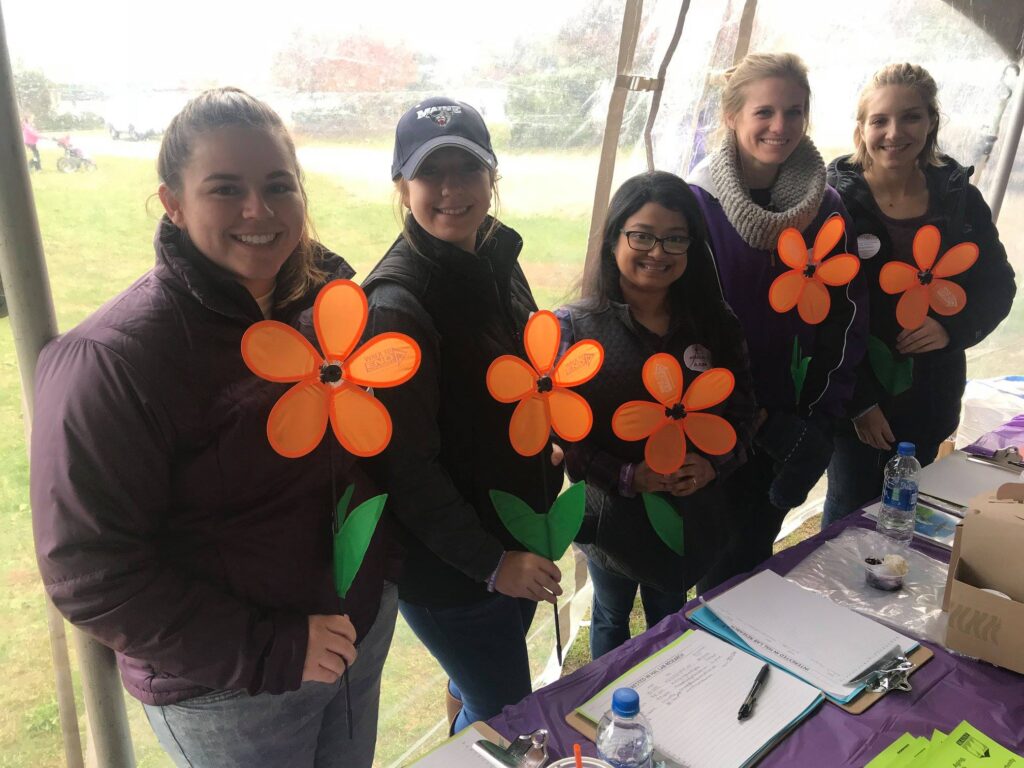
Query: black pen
pixel 748 703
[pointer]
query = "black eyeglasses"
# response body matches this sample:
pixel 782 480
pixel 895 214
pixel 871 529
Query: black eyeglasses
pixel 645 241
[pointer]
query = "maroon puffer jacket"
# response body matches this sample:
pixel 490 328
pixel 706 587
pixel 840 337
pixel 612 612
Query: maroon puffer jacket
pixel 165 525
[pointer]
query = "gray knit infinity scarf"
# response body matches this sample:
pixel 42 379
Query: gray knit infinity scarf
pixel 796 194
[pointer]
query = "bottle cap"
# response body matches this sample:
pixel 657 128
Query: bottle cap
pixel 906 449
pixel 625 702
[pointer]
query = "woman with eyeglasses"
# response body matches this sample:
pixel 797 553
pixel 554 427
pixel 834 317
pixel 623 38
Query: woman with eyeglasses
pixel 652 288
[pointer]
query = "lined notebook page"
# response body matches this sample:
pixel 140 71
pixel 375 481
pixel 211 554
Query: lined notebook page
pixel 691 691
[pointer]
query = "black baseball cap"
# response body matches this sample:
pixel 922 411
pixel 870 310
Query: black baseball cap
pixel 435 123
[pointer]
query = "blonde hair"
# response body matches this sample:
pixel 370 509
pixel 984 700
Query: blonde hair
pixel 233 107
pixel 908 76
pixel 761 66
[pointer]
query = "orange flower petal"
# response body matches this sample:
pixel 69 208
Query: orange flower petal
pixel 339 316
pixel 663 378
pixel 277 352
pixel 957 259
pixel 360 421
pixel 637 419
pixel 579 364
pixel 298 420
pixel 897 277
pixel 926 246
pixel 838 270
pixel 912 307
pixel 530 426
pixel 786 289
pixel 510 379
pixel 710 433
pixel 792 249
pixel 827 237
pixel 946 297
pixel 665 451
pixel 709 389
pixel 542 337
pixel 571 416
pixel 386 360
pixel 814 302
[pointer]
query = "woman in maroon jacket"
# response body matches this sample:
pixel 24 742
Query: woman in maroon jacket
pixel 165 525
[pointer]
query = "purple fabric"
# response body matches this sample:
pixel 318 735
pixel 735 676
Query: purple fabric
pixel 1009 434
pixel 947 689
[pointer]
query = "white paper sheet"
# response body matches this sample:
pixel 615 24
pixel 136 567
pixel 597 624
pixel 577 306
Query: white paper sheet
pixel 691 692
pixel 825 644
pixel 958 479
pixel 457 752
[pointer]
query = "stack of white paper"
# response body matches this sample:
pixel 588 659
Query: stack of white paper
pixel 823 643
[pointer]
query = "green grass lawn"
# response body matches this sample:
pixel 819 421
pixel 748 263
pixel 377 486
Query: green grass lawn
pixel 97 231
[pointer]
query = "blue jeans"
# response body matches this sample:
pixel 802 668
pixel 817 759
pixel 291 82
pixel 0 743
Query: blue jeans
pixel 306 727
pixel 482 649
pixel 856 473
pixel 613 601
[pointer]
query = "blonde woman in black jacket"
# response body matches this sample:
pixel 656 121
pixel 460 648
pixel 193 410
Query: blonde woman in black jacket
pixel 910 384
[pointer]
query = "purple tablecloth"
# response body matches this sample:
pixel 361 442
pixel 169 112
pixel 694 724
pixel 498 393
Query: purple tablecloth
pixel 947 689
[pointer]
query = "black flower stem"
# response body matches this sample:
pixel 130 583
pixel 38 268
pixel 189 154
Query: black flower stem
pixel 336 522
pixel 547 509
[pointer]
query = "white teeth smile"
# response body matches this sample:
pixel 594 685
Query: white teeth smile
pixel 650 266
pixel 775 142
pixel 453 211
pixel 256 239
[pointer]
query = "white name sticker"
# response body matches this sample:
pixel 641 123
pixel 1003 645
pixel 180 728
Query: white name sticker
pixel 697 357
pixel 868 245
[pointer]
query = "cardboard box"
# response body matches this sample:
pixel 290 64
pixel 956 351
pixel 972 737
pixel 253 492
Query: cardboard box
pixel 988 553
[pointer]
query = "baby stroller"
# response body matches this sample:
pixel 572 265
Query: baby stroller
pixel 74 158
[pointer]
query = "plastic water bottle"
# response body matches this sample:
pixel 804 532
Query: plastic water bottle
pixel 624 737
pixel 899 495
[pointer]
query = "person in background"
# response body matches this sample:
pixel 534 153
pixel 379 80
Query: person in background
pixel 766 177
pixel 897 181
pixel 30 136
pixel 452 281
pixel 653 289
pixel 165 524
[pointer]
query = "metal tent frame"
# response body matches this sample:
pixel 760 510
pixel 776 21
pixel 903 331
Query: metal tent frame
pixel 33 320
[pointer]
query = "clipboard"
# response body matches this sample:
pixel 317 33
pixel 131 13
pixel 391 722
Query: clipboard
pixel 865 699
pixel 476 730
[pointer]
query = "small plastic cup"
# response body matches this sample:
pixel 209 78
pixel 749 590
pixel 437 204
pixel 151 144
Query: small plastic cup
pixel 880 576
pixel 588 762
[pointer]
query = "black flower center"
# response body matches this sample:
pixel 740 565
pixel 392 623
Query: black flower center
pixel 330 373
pixel 544 384
pixel 676 412
pixel 925 276
pixel 809 270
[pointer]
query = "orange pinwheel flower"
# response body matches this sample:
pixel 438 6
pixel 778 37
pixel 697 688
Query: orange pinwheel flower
pixel 672 419
pixel 803 286
pixel 333 385
pixel 923 286
pixel 540 386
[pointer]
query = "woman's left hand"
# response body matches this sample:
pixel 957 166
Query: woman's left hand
pixel 928 338
pixel 695 473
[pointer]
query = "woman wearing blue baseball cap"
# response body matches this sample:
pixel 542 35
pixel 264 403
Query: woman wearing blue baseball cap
pixel 452 281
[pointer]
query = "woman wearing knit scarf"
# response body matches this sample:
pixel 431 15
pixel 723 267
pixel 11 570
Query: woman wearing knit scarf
pixel 765 177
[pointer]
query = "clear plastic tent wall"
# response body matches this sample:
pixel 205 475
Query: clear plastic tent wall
pixel 541 73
